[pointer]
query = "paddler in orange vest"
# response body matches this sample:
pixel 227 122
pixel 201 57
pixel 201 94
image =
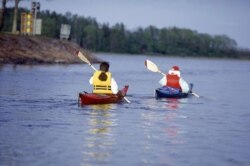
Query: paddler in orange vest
pixel 173 79
pixel 102 81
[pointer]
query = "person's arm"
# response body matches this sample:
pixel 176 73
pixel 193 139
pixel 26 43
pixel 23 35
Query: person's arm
pixel 184 86
pixel 91 80
pixel 114 86
pixel 163 81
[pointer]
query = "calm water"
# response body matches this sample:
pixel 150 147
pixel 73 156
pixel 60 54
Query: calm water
pixel 41 123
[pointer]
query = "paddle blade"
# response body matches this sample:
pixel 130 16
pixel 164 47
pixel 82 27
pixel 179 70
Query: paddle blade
pixel 195 95
pixel 82 57
pixel 151 66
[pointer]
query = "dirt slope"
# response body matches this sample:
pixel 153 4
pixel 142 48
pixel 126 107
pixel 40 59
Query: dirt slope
pixel 15 49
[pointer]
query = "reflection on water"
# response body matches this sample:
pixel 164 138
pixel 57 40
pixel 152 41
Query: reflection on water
pixel 166 104
pixel 100 140
pixel 103 107
pixel 172 104
pixel 163 113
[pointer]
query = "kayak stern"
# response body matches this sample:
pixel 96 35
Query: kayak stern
pixel 91 98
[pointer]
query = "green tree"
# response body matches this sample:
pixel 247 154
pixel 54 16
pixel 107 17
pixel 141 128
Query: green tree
pixel 2 13
pixel 117 38
pixel 91 37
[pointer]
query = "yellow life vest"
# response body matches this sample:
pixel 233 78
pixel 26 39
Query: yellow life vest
pixel 102 87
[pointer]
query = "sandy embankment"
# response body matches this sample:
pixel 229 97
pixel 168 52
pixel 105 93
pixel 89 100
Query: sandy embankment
pixel 15 49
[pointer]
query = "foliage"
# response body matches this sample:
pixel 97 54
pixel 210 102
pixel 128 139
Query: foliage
pixel 90 34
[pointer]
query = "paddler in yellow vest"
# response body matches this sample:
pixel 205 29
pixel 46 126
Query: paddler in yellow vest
pixel 102 81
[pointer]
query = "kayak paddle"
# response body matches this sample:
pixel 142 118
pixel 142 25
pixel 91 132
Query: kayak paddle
pixel 84 59
pixel 154 68
pixel 196 95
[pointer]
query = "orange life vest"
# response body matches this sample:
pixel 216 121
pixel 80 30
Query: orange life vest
pixel 173 81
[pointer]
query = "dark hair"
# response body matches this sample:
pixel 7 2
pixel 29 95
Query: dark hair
pixel 104 66
pixel 103 76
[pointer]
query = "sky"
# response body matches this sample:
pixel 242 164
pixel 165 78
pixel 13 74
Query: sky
pixel 215 17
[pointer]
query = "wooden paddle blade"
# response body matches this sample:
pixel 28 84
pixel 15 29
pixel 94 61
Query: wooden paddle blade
pixel 151 66
pixel 126 99
pixel 82 57
pixel 195 94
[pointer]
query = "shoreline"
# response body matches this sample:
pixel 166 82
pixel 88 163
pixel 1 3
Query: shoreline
pixel 16 49
pixel 36 50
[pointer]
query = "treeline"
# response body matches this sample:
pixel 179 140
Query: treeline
pixel 90 34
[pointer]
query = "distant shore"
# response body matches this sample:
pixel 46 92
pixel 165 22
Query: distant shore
pixel 16 49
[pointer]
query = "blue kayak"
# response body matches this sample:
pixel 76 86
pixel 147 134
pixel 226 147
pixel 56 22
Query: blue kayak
pixel 168 92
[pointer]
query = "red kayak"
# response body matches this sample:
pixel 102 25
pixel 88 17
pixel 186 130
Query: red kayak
pixel 91 98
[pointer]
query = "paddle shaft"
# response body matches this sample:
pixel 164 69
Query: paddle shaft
pixel 92 67
pixel 161 73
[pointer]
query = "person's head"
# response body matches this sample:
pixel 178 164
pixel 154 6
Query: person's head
pixel 175 70
pixel 104 66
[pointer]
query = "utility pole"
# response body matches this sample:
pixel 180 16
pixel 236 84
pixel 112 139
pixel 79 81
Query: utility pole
pixel 35 7
pixel 14 26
